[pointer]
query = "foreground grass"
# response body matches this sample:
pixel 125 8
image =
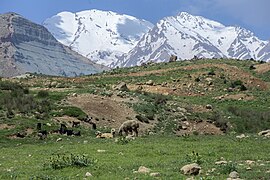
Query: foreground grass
pixel 163 154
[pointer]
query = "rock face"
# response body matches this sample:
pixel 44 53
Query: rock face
pixel 29 47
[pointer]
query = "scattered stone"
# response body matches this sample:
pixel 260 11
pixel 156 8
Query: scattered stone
pixel 241 136
pixel 59 139
pixel 234 175
pixel 183 110
pixel 221 162
pixel 143 169
pixel 121 87
pixel 191 169
pixel 209 106
pixel 74 94
pixel 155 174
pixel 150 83
pixel 101 150
pixel 249 162
pixel 265 133
pixel 248 168
pixel 88 174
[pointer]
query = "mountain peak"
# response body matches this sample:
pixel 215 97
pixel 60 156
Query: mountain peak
pixel 111 34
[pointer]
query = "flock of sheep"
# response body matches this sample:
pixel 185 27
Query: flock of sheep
pixel 129 128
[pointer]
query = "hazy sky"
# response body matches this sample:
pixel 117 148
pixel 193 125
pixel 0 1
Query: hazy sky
pixel 250 14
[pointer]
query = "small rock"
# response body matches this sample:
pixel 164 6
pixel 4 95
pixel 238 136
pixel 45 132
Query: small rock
pixel 264 133
pixel 155 174
pixel 249 162
pixel 88 174
pixel 241 136
pixel 221 162
pixel 101 150
pixel 234 175
pixel 183 110
pixel 59 139
pixel 248 168
pixel 209 106
pixel 143 169
pixel 150 83
pixel 85 142
pixel 191 169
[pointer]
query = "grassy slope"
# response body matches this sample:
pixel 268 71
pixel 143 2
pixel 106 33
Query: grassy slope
pixel 165 154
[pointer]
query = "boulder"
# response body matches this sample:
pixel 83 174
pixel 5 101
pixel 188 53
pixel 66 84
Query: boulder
pixel 191 169
pixel 150 83
pixel 143 169
pixel 234 175
pixel 221 162
pixel 209 106
pixel 265 133
pixel 121 87
pixel 155 174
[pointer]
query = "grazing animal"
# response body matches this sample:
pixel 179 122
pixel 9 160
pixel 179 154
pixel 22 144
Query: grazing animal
pixel 38 126
pixel 131 126
pixel 42 134
pixel 63 129
pixel 69 132
pixel 77 133
pixel 106 135
pixel 89 120
pixel 75 124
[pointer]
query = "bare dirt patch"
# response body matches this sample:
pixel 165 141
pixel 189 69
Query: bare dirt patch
pixel 262 68
pixel 203 127
pixel 108 112
pixel 6 126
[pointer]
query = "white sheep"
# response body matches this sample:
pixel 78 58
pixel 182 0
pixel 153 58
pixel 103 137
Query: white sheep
pixel 131 126
pixel 105 135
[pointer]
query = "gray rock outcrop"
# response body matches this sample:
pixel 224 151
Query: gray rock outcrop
pixel 29 47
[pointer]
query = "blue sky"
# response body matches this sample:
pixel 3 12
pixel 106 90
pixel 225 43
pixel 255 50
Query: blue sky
pixel 250 14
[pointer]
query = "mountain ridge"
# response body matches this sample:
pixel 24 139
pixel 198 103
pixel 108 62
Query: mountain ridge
pixel 101 36
pixel 29 47
pixel 183 35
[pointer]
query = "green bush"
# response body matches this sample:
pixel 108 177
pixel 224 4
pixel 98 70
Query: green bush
pixel 249 120
pixel 43 94
pixel 62 161
pixel 71 111
pixel 226 168
pixel 236 83
pixel 194 157
pixel 142 118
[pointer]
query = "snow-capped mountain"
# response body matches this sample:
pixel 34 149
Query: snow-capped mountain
pixel 187 36
pixel 101 36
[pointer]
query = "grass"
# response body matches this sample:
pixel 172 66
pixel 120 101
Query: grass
pixel 31 158
pixel 163 154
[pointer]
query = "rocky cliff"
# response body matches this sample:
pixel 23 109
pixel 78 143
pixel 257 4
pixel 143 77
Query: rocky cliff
pixel 29 47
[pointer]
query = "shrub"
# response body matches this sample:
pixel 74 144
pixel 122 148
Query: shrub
pixel 60 162
pixel 243 87
pixel 142 118
pixel 72 112
pixel 211 72
pixel 43 94
pixel 197 79
pixel 226 168
pixel 194 157
pixel 252 67
pixel 236 83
